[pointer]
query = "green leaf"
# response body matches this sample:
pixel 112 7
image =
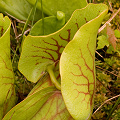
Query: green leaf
pixel 7 91
pixel 40 51
pixel 77 65
pixel 110 49
pixel 117 33
pixel 44 82
pixel 17 8
pixel 31 104
pixel 51 24
pixel 102 42
pixel 45 104
pixel 50 7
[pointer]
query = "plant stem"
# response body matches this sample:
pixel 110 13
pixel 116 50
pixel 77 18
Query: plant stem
pixel 90 1
pixel 42 17
pixel 34 11
pixel 52 76
pixel 114 107
pixel 26 23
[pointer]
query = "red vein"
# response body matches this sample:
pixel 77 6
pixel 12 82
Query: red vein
pixel 82 75
pixel 5 64
pixel 2 31
pixel 68 38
